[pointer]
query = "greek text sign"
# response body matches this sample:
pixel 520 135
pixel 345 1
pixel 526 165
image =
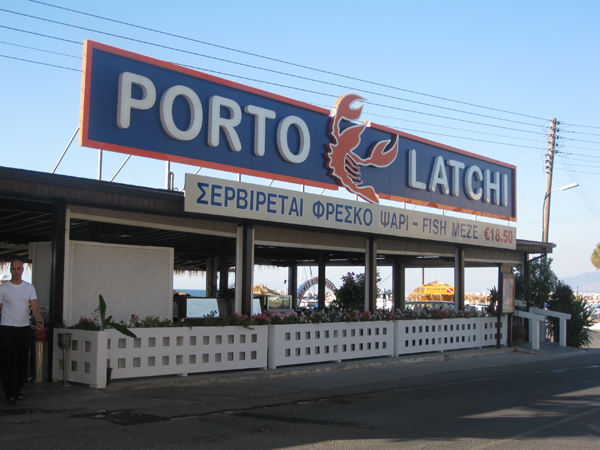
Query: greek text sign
pixel 212 196
pixel 142 106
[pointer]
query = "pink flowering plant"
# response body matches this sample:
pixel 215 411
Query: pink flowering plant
pixel 436 314
pixel 274 317
pixel 151 322
pixel 233 319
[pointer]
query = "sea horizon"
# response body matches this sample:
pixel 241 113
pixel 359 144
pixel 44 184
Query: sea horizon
pixel 192 292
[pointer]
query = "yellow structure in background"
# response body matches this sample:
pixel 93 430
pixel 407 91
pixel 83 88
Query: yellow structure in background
pixel 434 291
pixel 442 290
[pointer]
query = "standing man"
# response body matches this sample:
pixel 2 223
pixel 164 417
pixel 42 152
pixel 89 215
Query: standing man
pixel 15 334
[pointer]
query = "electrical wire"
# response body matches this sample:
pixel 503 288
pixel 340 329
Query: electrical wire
pixel 38 62
pixel 283 61
pixel 321 93
pixel 272 59
pixel 570 165
pixel 42 35
pixel 581 191
pixel 268 70
pixel 39 50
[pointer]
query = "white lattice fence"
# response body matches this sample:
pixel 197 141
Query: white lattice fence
pixel 132 280
pixel 227 348
pixel 180 351
pixel 158 352
pixel 488 330
pixel 421 336
pixel 313 343
pixel 41 257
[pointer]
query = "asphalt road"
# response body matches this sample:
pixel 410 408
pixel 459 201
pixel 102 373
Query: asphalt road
pixel 503 401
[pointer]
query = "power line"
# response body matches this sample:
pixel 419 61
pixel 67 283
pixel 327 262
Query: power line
pixel 578 148
pixel 581 140
pixel 40 50
pixel 579 132
pixel 268 70
pixel 283 61
pixel 42 35
pixel 470 139
pixel 370 103
pixel 582 126
pixel 577 154
pixel 290 87
pixel 581 191
pixel 320 93
pixel 41 63
pixel 444 126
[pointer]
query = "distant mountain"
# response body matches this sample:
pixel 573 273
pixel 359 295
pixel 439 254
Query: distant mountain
pixel 586 283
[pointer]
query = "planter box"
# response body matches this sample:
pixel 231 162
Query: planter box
pixel 429 335
pixel 159 351
pixel 182 351
pixel 325 342
pixel 85 359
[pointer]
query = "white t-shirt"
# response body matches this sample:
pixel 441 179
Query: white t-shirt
pixel 15 300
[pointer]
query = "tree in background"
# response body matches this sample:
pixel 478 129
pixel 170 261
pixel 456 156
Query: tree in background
pixel 492 302
pixel 596 257
pixel 578 326
pixel 351 294
pixel 542 281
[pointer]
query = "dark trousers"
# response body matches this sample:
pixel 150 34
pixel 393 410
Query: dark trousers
pixel 14 350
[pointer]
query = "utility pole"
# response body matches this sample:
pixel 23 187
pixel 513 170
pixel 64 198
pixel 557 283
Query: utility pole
pixel 549 168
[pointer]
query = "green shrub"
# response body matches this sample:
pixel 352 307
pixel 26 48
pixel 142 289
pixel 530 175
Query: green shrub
pixel 578 327
pixel 351 295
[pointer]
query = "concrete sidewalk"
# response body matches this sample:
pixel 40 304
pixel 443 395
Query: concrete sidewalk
pixel 240 389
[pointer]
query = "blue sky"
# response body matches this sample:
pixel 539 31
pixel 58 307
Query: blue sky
pixel 538 59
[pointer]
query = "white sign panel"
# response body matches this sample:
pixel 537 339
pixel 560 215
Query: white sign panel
pixel 248 201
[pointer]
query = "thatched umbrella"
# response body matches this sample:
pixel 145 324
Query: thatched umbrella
pixel 417 296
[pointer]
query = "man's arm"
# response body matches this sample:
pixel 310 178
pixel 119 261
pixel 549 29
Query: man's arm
pixel 37 314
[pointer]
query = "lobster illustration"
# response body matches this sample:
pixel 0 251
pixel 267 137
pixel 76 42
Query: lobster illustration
pixel 343 163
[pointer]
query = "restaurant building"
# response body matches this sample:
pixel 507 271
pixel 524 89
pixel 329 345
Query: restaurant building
pixel 87 237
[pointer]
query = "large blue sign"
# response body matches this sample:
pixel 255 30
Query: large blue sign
pixel 138 105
